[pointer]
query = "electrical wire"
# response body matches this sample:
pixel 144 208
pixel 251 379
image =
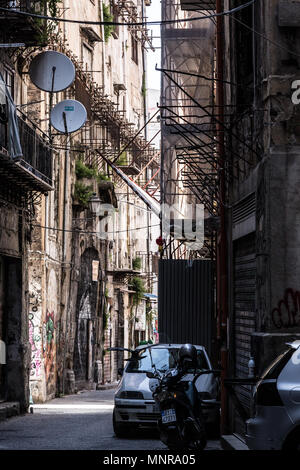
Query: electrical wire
pixel 76 230
pixel 117 23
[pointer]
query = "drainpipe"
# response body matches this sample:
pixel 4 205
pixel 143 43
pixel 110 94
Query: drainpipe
pixel 146 138
pixel 221 249
pixel 64 249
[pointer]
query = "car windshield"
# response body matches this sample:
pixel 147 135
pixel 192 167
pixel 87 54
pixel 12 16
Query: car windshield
pixel 164 359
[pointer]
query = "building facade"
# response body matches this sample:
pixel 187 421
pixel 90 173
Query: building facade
pixel 261 64
pixel 85 267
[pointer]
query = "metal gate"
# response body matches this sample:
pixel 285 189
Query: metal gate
pixel 185 302
pixel 244 306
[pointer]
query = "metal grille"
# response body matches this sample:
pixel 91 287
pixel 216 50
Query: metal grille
pixel 244 209
pixel 244 304
pixel 132 395
pixel 185 302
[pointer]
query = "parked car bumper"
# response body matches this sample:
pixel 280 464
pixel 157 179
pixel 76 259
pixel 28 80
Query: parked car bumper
pixel 263 431
pixel 141 412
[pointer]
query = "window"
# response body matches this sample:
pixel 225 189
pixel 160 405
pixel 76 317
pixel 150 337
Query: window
pixel 134 48
pixel 87 57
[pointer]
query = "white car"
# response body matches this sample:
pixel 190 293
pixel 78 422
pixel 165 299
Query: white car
pixel 134 404
pixel 276 421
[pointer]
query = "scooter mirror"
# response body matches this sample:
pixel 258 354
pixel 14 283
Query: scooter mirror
pixel 150 375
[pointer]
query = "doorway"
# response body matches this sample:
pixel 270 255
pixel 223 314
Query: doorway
pixel 2 329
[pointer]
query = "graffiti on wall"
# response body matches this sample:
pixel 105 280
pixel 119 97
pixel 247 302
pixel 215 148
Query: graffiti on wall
pixel 35 331
pixel 35 339
pixel 48 343
pixel 49 333
pixel 262 249
pixel 287 312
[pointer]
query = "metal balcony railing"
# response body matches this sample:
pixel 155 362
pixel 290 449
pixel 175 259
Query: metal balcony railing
pixel 16 28
pixel 29 6
pixel 37 158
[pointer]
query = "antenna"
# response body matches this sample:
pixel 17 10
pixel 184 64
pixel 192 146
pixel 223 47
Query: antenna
pixel 52 71
pixel 68 116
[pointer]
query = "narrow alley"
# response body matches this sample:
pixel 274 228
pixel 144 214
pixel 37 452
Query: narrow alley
pixel 75 422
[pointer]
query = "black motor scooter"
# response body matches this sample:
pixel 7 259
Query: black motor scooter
pixel 181 425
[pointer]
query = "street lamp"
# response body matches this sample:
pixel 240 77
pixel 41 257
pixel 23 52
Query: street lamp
pixel 94 203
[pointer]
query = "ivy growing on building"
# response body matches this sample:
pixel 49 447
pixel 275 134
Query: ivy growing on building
pixel 52 5
pixel 83 193
pixel 107 17
pixel 122 160
pixel 138 287
pixel 46 28
pixel 84 171
pixel 137 264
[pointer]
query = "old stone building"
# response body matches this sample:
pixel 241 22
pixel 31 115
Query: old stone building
pixel 261 64
pixel 26 175
pixel 238 147
pixel 79 235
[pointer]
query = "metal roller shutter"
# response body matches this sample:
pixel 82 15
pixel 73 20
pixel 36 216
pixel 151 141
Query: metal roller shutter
pixel 244 305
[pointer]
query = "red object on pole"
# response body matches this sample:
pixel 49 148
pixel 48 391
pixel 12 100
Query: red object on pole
pixel 159 241
pixel 222 248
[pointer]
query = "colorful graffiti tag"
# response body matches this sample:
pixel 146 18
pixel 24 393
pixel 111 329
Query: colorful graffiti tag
pixel 48 343
pixel 35 339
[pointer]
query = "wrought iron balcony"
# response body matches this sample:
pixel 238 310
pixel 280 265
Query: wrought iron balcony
pixel 33 171
pixel 18 28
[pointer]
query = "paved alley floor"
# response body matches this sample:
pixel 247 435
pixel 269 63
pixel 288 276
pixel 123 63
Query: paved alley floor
pixel 75 422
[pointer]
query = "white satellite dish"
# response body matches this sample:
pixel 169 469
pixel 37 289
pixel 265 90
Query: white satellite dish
pixel 52 71
pixel 68 116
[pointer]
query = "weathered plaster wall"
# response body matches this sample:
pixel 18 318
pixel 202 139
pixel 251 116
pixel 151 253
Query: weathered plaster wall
pixel 9 230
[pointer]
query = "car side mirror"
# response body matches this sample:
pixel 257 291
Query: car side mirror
pixel 150 375
pixel 120 371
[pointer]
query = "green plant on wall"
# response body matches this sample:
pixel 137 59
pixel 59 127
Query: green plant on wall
pixel 52 5
pixel 102 177
pixel 137 264
pixel 45 28
pixel 84 171
pixel 83 193
pixel 137 285
pixel 107 17
pixel 122 160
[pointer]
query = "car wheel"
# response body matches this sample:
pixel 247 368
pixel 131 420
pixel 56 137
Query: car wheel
pixel 120 429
